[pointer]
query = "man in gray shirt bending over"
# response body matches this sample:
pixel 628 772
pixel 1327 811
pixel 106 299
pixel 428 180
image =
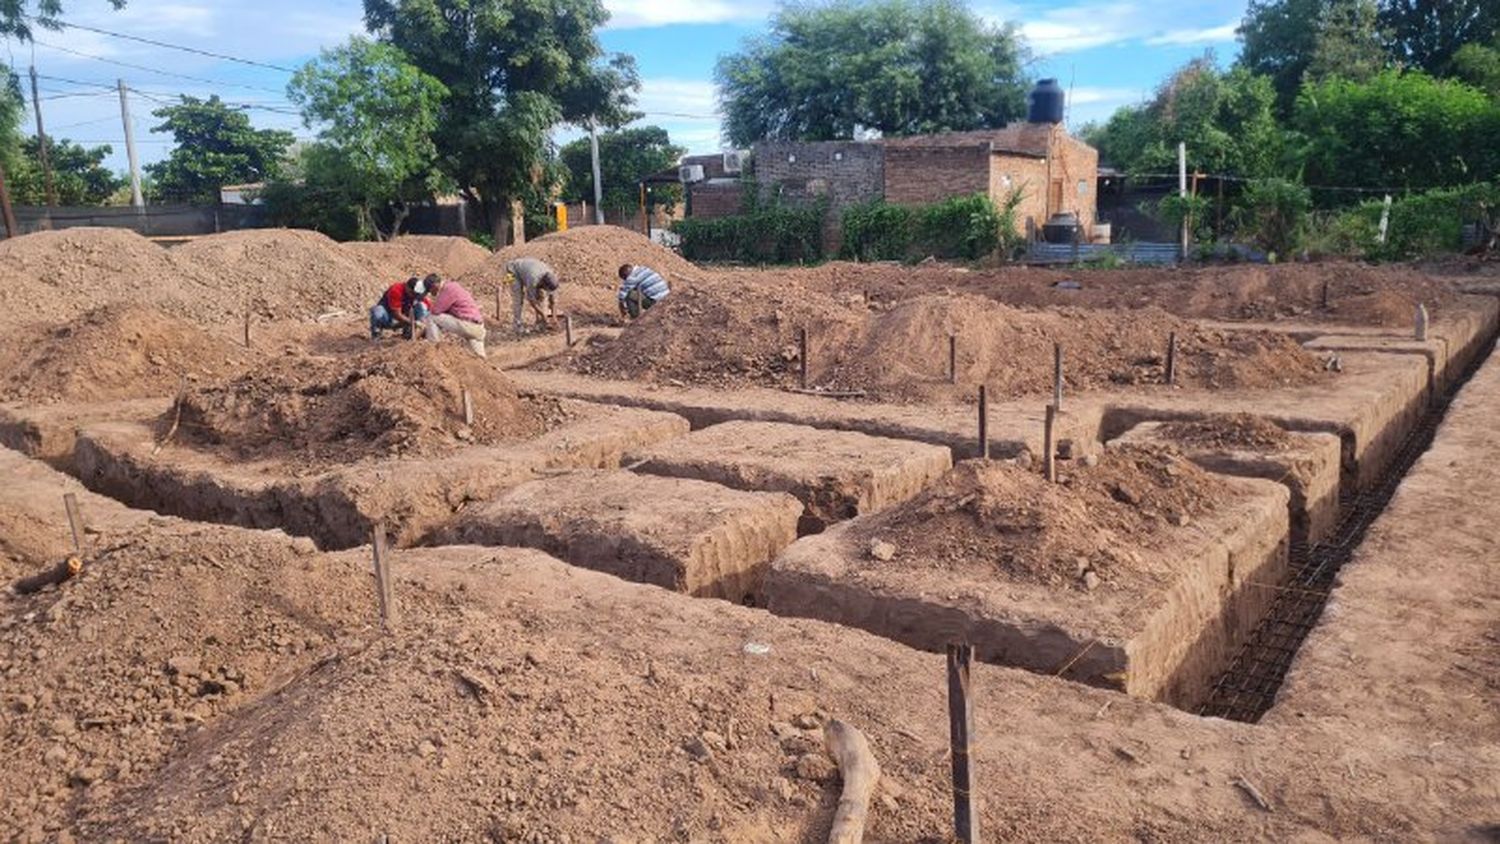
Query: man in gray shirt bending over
pixel 530 281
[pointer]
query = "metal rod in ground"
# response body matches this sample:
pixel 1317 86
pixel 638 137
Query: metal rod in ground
pixel 75 521
pixel 961 736
pixel 384 592
pixel 802 354
pixel 468 408
pixel 984 424
pixel 1049 444
pixel 1057 375
pixel 1172 358
pixel 952 359
pixel 568 330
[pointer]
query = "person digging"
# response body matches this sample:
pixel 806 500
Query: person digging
pixel 532 281
pixel 404 306
pixel 640 288
pixel 454 311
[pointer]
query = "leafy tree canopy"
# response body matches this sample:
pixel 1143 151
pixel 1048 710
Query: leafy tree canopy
pixel 898 66
pixel 376 112
pixel 1293 41
pixel 215 146
pixel 513 69
pixel 18 16
pixel 1427 33
pixel 625 157
pixel 79 176
pixel 1479 65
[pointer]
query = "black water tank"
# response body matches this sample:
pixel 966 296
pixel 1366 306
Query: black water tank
pixel 1047 100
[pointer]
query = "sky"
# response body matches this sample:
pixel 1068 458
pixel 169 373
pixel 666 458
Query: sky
pixel 1108 53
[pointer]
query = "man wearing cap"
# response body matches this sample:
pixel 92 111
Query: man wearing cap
pixel 404 305
pixel 454 311
pixel 531 281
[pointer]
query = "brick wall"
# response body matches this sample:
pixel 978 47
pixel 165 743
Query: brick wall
pixel 719 198
pixel 843 173
pixel 921 174
pixel 1051 184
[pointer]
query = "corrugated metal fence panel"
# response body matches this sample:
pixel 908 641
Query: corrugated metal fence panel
pixel 151 221
pixel 1132 253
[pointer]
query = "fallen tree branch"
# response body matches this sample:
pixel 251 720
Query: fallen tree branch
pixel 860 772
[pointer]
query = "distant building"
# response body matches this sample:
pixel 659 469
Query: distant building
pixel 242 194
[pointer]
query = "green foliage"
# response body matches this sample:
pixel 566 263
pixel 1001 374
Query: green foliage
pixel 900 66
pixel 1294 41
pixel 966 227
pixel 79 176
pixel 1274 213
pixel 625 157
pixel 215 146
pixel 1426 34
pixel 1399 129
pixel 1349 42
pixel 18 16
pixel 1172 209
pixel 1348 232
pixel 312 193
pixel 376 112
pixel 766 232
pixel 513 69
pixel 1226 119
pixel 484 239
pixel 1431 223
pixel 1479 65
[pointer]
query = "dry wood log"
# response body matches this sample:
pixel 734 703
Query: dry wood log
pixel 860 772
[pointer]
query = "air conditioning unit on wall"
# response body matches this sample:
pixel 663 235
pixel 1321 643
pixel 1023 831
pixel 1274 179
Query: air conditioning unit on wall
pixel 689 173
pixel 735 160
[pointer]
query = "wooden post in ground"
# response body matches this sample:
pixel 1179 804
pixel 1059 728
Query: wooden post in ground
pixel 1172 358
pixel 1057 375
pixel 1049 444
pixel 1325 294
pixel 468 408
pixel 984 424
pixel 384 590
pixel 499 314
pixel 75 521
pixel 1420 329
pixel 961 737
pixel 247 325
pixel 802 355
pixel 952 358
pixel 568 330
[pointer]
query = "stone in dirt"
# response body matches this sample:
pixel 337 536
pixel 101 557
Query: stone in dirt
pixel 882 551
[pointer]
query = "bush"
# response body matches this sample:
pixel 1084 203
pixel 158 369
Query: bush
pixel 1431 223
pixel 1274 213
pixel 766 232
pixel 878 231
pixel 968 227
pixel 960 227
pixel 1171 209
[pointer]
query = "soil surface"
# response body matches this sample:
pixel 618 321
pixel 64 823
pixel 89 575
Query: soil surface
pixel 742 335
pixel 420 254
pixel 395 399
pixel 1002 518
pixel 1229 431
pixel 119 351
pixel 286 273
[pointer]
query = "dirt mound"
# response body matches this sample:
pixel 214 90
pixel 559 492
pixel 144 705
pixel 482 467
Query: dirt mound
pixel 54 276
pixel 1001 518
pixel 391 261
pixel 724 336
pixel 118 352
pixel 401 398
pixel 1229 431
pixel 587 259
pixel 286 273
pixel 418 255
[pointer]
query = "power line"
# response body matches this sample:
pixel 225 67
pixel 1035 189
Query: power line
pixel 181 47
pixel 148 69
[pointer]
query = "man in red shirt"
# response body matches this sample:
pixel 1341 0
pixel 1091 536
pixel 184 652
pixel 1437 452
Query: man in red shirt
pixel 404 305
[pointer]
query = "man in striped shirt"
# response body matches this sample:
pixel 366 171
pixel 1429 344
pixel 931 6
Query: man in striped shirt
pixel 640 288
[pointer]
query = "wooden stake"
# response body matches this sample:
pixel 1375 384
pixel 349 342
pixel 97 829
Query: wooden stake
pixel 952 359
pixel 247 326
pixel 1057 375
pixel 468 409
pixel 499 314
pixel 75 521
pixel 1420 328
pixel 1049 444
pixel 1172 358
pixel 802 354
pixel 1325 293
pixel 961 735
pixel 568 330
pixel 860 772
pixel 384 591
pixel 984 424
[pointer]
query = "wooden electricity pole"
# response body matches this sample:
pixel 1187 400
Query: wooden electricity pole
pixel 41 142
pixel 135 165
pixel 9 213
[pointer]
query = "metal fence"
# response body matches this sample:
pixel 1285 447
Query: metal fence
pixel 151 221
pixel 1130 253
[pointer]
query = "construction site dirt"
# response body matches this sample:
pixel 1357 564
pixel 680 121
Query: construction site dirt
pixel 631 588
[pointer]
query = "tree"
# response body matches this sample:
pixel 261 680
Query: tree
pixel 312 192
pixel 377 111
pixel 625 157
pixel 1294 41
pixel 901 67
pixel 1348 44
pixel 78 174
pixel 17 16
pixel 215 146
pixel 1479 65
pixel 513 69
pixel 1225 118
pixel 1427 34
pixel 1403 130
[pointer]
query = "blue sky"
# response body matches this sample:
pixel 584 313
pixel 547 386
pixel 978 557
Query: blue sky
pixel 1110 53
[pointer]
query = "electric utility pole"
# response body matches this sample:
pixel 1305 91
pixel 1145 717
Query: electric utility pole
pixel 135 164
pixel 598 187
pixel 41 142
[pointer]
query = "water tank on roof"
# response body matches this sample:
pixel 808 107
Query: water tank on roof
pixel 1046 102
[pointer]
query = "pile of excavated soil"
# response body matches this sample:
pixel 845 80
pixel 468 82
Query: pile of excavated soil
pixel 999 519
pixel 404 398
pixel 420 254
pixel 1229 431
pixel 286 273
pixel 122 351
pixel 53 276
pixel 724 336
pixel 587 260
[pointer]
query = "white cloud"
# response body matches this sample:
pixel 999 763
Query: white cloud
pixel 159 19
pixel 636 14
pixel 1089 95
pixel 1195 37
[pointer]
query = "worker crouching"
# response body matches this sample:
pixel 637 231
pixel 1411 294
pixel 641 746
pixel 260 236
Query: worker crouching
pixel 454 311
pixel 640 288
pixel 405 305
